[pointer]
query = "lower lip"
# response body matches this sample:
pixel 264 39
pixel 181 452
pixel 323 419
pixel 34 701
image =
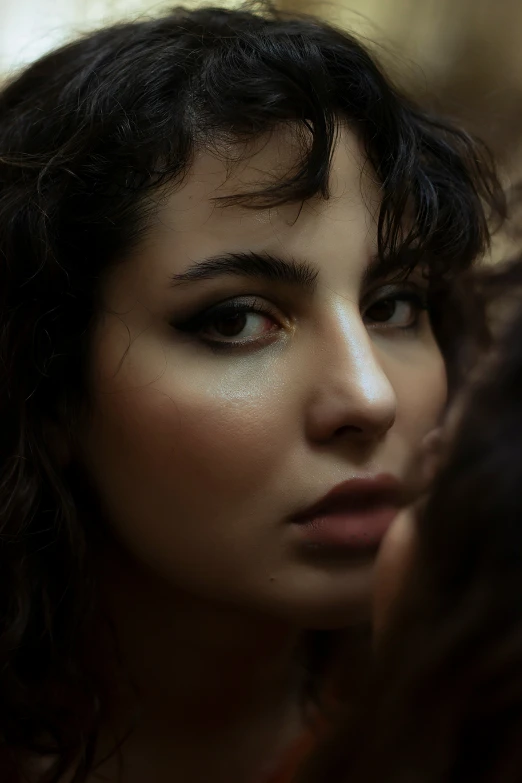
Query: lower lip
pixel 360 530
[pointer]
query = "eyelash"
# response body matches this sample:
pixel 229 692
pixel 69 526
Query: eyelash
pixel 255 305
pixel 231 307
pixel 413 294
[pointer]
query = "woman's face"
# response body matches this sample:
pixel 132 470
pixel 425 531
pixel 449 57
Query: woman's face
pixel 248 361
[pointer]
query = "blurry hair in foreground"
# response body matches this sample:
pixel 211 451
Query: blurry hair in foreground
pixel 445 699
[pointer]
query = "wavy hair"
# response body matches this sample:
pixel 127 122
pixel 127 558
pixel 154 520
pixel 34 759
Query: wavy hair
pixel 88 136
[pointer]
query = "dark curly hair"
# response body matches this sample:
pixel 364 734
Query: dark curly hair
pixel 88 134
pixel 444 702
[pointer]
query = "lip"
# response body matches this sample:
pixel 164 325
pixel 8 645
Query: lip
pixel 355 514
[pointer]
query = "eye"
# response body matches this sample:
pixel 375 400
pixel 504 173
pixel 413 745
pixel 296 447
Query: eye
pixel 237 326
pixel 234 323
pixel 397 310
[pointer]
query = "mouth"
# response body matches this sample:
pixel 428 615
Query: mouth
pixel 355 515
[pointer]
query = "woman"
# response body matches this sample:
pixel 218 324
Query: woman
pixel 224 238
pixel 445 703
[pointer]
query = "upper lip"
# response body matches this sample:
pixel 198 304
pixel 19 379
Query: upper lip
pixel 354 494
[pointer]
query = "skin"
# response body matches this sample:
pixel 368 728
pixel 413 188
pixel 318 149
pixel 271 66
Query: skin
pixel 398 549
pixel 396 556
pixel 200 454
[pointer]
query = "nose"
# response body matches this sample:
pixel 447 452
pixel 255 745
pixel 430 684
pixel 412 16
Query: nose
pixel 352 395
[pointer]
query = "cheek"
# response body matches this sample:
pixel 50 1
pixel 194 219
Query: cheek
pixel 193 439
pixel 186 460
pixel 182 445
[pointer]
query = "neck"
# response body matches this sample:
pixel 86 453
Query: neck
pixel 196 664
pixel 216 693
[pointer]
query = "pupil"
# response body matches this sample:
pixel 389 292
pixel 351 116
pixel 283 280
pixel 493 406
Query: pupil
pixel 231 325
pixel 383 310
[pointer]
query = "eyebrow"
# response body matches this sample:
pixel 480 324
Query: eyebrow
pixel 269 267
pixel 254 265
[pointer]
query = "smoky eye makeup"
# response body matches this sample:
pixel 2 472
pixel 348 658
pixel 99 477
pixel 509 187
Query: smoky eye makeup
pixel 252 321
pixel 395 306
pixel 235 323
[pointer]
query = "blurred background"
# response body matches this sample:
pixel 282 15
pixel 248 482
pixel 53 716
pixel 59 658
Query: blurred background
pixel 461 56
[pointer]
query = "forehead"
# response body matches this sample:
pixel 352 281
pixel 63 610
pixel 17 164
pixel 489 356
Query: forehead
pixel 199 215
pixel 337 236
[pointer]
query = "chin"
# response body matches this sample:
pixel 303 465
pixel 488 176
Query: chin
pixel 328 603
pixel 334 616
